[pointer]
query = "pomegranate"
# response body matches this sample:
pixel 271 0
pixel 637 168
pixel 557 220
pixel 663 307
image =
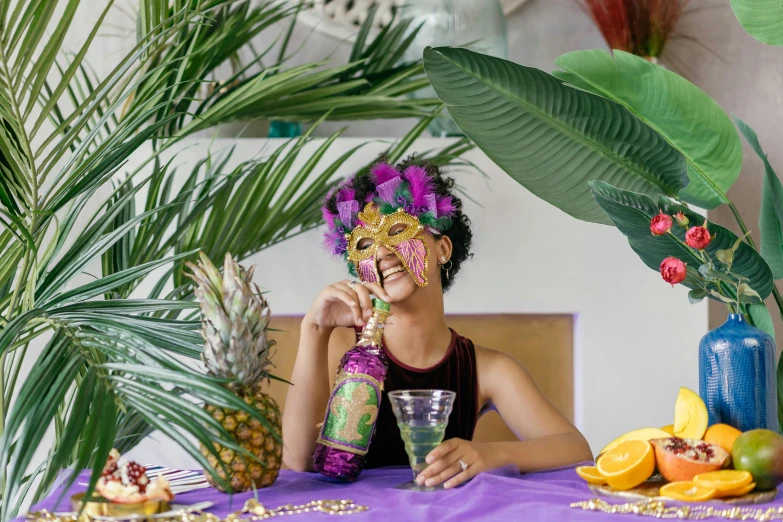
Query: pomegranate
pixel 126 482
pixel 682 459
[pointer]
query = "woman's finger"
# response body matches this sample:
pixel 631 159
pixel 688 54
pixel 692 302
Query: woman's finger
pixel 351 300
pixel 375 288
pixel 462 477
pixel 364 298
pixel 441 451
pixel 450 470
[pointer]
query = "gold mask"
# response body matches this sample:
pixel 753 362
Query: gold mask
pixel 406 244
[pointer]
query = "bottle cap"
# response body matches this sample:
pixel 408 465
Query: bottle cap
pixel 379 304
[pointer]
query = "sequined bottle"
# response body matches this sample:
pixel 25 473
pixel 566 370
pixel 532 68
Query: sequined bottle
pixel 352 410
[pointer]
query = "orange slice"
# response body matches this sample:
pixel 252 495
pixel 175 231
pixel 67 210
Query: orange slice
pixel 591 475
pixel 744 490
pixel 687 491
pixel 628 464
pixel 725 481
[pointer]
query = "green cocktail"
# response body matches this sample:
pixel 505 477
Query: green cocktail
pixel 422 416
pixel 419 441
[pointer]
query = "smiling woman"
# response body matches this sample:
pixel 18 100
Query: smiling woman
pixel 402 231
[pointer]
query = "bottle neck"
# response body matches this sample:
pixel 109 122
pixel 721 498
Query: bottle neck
pixel 372 333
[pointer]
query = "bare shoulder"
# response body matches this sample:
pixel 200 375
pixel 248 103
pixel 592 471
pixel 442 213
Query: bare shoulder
pixel 495 365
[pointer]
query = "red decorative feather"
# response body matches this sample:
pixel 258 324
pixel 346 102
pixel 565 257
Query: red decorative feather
pixel 641 27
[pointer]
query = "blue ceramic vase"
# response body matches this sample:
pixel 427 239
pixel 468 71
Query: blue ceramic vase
pixel 737 375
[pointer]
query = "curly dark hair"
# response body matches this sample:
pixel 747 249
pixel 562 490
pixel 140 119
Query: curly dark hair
pixel 459 233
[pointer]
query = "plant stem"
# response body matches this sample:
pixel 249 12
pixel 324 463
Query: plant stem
pixel 742 226
pixel 749 239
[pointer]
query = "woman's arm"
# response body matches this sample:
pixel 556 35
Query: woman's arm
pixel 306 401
pixel 549 440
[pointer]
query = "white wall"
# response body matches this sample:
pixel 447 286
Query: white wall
pixel 636 337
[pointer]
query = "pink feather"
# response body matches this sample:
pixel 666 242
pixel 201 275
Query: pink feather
pixel 445 206
pixel 328 217
pixel 420 185
pixel 346 194
pixel 383 172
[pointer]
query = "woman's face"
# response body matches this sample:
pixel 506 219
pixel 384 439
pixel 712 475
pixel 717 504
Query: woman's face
pixel 395 279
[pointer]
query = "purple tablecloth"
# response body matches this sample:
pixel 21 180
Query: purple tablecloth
pixel 504 494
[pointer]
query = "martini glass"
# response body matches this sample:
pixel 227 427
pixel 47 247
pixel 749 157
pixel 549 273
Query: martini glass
pixel 422 416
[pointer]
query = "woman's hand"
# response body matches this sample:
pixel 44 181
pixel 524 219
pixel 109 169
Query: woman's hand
pixel 444 462
pixel 344 304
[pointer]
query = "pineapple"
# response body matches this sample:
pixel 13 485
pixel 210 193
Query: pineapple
pixel 235 318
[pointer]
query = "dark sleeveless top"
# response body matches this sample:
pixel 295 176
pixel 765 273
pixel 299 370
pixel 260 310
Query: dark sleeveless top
pixel 455 372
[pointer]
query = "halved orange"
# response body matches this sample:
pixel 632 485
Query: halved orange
pixel 725 481
pixel 591 475
pixel 687 491
pixel 628 464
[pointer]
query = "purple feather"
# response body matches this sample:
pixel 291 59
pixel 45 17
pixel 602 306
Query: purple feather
pixel 383 172
pixel 445 206
pixel 335 243
pixel 387 189
pixel 420 184
pixel 347 210
pixel 432 204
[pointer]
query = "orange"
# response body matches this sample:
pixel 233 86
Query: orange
pixel 591 475
pixel 687 491
pixel 727 482
pixel 744 490
pixel 638 434
pixel 722 435
pixel 669 428
pixel 628 464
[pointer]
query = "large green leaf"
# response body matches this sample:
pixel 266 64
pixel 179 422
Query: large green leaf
pixel 759 314
pixel 679 111
pixel 771 212
pixel 632 212
pixel 550 137
pixel 763 19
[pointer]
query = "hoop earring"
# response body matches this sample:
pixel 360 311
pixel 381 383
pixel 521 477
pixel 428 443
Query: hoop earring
pixel 447 268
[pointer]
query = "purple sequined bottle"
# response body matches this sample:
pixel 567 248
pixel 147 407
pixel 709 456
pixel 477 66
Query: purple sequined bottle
pixel 353 406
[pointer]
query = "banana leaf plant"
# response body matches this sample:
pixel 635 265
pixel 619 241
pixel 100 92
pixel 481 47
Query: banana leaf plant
pixel 95 363
pixel 616 139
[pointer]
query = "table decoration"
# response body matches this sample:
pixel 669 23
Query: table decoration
pixel 660 509
pixel 252 510
pixel 743 356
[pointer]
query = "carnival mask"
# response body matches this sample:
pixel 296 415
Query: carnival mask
pixel 403 205
pixel 397 232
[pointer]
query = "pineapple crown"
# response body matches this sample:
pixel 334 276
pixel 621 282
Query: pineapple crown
pixel 234 320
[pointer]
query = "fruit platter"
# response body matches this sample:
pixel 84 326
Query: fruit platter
pixel 689 461
pixel 125 491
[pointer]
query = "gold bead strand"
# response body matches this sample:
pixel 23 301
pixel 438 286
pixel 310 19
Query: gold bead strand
pixel 658 509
